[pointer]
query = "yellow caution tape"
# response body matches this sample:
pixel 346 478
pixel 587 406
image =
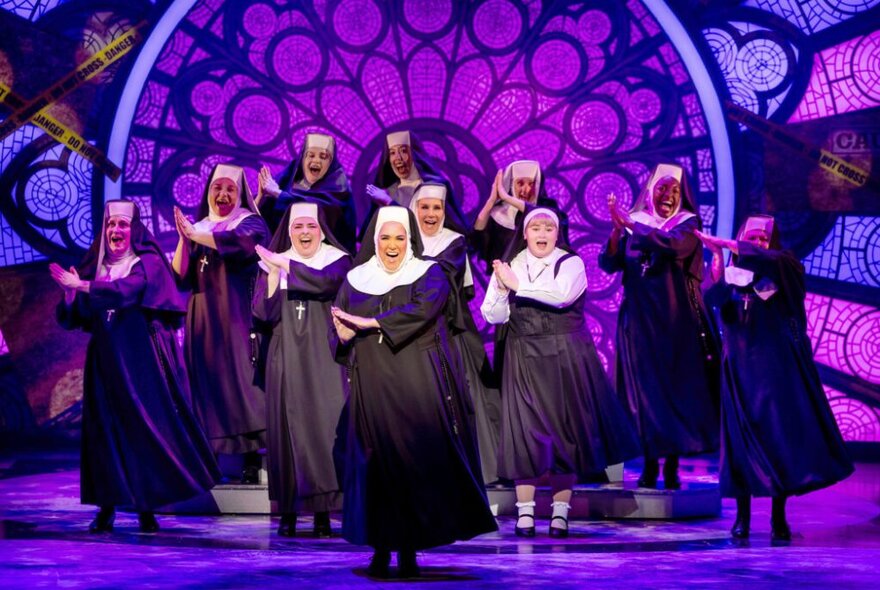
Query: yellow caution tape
pixel 64 135
pixel 79 76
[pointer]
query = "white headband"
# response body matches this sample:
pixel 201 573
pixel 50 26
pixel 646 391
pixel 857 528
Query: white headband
pixel 393 213
pixel 120 209
pixel 233 173
pixel 539 211
pixel 525 169
pixel 320 141
pixel 398 138
pixel 430 191
pixel 662 171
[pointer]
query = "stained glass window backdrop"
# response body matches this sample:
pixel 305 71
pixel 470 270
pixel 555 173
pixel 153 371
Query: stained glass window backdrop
pixel 597 93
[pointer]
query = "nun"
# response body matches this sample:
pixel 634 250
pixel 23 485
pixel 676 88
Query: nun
pixel 516 188
pixel 141 445
pixel 216 260
pixel 403 167
pixel 315 176
pixel 666 357
pixel 778 435
pixel 449 249
pixel 410 482
pixel 305 387
pixel 560 417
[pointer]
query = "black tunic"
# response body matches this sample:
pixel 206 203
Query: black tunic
pixel 305 387
pixel 482 385
pixel 664 341
pixel 231 409
pixel 559 412
pixel 141 445
pixel 410 480
pixel 779 436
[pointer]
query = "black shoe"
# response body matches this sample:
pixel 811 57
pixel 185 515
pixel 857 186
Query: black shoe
pixel 287 526
pixel 671 481
pixel 648 479
pixel 103 522
pixel 780 532
pixel 740 528
pixel 322 525
pixel 147 522
pixel 250 475
pixel 379 564
pixel 528 531
pixel 556 532
pixel 407 567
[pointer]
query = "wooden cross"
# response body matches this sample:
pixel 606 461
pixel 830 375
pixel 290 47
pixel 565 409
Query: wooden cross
pixel 204 263
pixel 747 298
pixel 300 308
pixel 110 313
pixel 646 264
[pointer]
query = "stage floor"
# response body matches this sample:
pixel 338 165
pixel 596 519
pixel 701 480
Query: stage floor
pixel 44 544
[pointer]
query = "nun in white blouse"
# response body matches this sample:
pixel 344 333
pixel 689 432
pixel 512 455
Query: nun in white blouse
pixel 560 418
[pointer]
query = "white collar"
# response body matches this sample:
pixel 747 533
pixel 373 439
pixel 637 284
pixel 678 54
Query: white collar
pixel 505 215
pixel 372 278
pixel 215 223
pixel 414 178
pixel 436 244
pixel 117 269
pixel 662 223
pixel 527 258
pixel 326 255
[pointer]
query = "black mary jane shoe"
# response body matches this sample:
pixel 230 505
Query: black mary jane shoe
pixel 322 529
pixel 740 529
pixel 380 564
pixel 556 532
pixel 780 532
pixel 528 531
pixel 287 525
pixel 407 566
pixel 147 522
pixel 103 522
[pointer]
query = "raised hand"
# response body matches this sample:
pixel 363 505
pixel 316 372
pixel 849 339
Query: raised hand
pixel 267 184
pixel 272 259
pixel 505 275
pixel 378 195
pixel 184 227
pixel 612 210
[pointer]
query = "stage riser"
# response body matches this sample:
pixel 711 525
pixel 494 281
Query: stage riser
pixel 588 502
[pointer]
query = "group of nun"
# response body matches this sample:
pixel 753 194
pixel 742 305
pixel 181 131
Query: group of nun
pixel 351 355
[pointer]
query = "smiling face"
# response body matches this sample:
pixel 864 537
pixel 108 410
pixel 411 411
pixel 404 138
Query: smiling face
pixel 392 245
pixel 305 235
pixel 118 235
pixel 431 214
pixel 541 236
pixel 666 197
pixel 758 237
pixel 401 160
pixel 316 162
pixel 524 188
pixel 223 196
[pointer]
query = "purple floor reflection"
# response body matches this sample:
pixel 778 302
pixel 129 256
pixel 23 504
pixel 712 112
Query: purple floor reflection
pixel 45 545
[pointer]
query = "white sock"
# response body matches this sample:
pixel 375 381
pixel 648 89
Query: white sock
pixel 560 509
pixel 526 512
